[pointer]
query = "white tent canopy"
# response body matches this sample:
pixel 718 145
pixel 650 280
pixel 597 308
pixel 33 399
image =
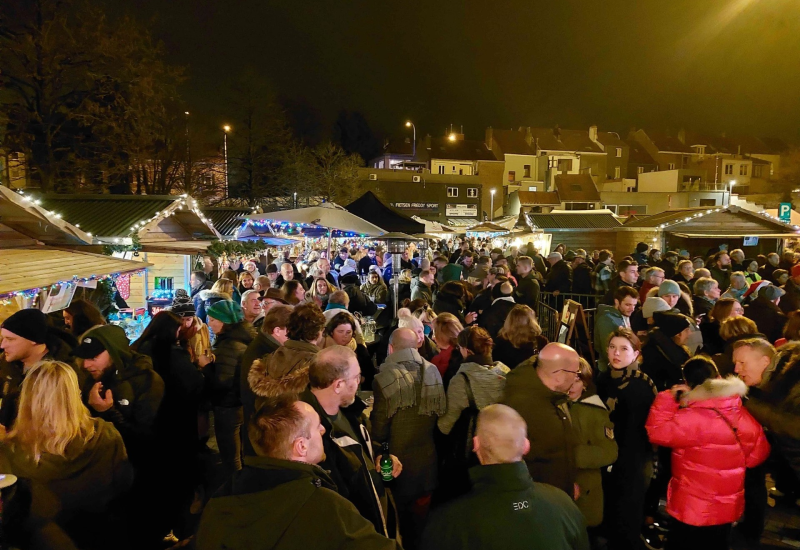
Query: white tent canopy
pixel 432 227
pixel 327 215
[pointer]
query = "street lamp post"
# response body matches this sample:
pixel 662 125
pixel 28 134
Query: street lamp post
pixel 730 190
pixel 410 124
pixel 295 199
pixel 491 214
pixel 227 129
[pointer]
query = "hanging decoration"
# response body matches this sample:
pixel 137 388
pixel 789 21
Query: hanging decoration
pixel 6 298
pixel 124 286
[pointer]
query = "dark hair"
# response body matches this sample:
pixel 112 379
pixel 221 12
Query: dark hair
pixel 477 341
pixel 201 276
pixel 698 369
pixel 625 264
pixel 161 334
pixel 641 247
pixel 277 317
pixel 85 315
pixel 604 255
pixel 272 268
pixel 340 319
pixel 625 292
pixel 288 291
pixel 305 322
pixel 230 275
pixel 453 288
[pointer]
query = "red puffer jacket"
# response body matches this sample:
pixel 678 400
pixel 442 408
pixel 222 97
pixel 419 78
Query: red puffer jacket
pixel 714 439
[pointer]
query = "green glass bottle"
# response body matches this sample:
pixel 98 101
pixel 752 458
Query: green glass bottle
pixel 386 463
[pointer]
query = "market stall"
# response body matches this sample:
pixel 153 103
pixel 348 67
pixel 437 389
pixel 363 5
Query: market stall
pixel 48 278
pixel 371 209
pixel 23 222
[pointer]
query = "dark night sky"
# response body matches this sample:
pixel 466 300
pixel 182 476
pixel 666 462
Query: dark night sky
pixel 716 65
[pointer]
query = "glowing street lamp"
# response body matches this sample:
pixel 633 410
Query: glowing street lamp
pixel 410 124
pixel 730 190
pixel 451 137
pixel 226 129
pixel 492 212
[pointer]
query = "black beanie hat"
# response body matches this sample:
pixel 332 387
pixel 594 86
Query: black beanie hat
pixel 671 324
pixel 30 324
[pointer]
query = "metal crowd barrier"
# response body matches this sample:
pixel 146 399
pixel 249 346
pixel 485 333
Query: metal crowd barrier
pixel 551 306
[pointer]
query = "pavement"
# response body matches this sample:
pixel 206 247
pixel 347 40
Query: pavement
pixel 781 529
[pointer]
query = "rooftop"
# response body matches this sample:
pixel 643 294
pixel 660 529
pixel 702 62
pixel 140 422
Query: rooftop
pixel 583 220
pixel 576 188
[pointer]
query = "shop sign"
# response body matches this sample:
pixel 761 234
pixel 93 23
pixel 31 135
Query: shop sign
pixel 465 210
pixel 427 206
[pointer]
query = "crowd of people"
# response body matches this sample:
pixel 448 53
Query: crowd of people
pixel 261 410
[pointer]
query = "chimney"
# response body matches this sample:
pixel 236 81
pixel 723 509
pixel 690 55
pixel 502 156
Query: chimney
pixel 593 133
pixel 557 132
pixel 528 135
pixel 682 136
pixel 489 137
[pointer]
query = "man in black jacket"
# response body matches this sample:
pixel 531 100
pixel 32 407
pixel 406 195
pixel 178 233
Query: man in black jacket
pixel 494 318
pixel 527 286
pixel 26 339
pixel 559 278
pixel 766 314
pixel 334 377
pixel 582 280
pixel 351 284
pixel 627 275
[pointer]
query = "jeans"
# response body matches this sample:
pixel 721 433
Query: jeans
pixel 689 537
pixel 228 431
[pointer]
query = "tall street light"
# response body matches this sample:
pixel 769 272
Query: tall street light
pixel 730 190
pixel 410 124
pixel 187 169
pixel 492 212
pixel 226 129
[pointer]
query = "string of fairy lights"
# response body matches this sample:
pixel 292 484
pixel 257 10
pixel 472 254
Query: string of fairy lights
pixel 297 229
pixel 8 297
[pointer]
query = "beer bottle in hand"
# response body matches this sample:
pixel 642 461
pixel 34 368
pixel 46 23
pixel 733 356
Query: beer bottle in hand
pixel 386 463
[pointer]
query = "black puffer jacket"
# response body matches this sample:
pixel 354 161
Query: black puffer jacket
pixel 662 360
pixel 359 302
pixel 447 303
pixel 768 317
pixel 221 375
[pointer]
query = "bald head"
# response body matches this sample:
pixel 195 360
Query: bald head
pixel 403 338
pixel 501 436
pixel 558 366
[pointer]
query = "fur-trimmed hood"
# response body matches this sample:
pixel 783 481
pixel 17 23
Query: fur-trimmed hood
pixel 716 388
pixel 284 371
pixel 782 376
pixel 211 294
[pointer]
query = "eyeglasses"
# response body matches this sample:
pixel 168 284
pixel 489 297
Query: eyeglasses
pixel 575 372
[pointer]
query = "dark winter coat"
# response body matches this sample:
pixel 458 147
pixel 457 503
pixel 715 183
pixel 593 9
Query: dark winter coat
pixel 559 278
pixel 527 291
pixel 507 510
pixel 512 356
pixel 662 360
pixel 351 463
pixel 768 317
pixel 365 263
pixel 359 302
pixel 713 440
pixel 596 449
pixel 447 303
pixel 775 403
pixel 205 299
pixel 582 279
pixel 722 276
pixel 791 300
pixel 702 306
pixel 494 318
pixel 222 373
pixel 73 490
pixel 628 394
pixel 615 283
pixel 137 389
pixel 553 439
pixel 274 504
pixel 712 341
pixel 420 290
pixel 12 376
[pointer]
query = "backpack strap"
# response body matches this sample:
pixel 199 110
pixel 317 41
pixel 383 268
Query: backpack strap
pixel 468 388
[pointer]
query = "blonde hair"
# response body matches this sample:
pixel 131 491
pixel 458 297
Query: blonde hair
pixel 244 274
pixel 520 326
pixel 406 320
pixel 405 276
pixel 447 326
pixel 223 286
pixel 51 413
pixel 313 289
pixel 737 326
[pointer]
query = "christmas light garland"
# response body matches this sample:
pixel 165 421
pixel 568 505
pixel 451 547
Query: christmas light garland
pixel 7 297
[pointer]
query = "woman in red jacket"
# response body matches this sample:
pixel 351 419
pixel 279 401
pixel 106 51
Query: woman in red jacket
pixel 713 440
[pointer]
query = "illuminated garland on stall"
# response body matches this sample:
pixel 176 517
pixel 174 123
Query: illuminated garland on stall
pixel 7 297
pixel 281 229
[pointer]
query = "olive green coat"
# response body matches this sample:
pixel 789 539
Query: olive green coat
pixel 595 450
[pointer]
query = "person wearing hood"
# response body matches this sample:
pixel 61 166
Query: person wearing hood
pixel 596 446
pixel 609 319
pixel 221 370
pixel 375 289
pixel 409 397
pixel 222 290
pixel 503 302
pixel 285 371
pixel 666 350
pixel 714 439
pixel 478 383
pixel 628 393
pixel 766 314
pixel 278 496
pixel 75 465
pixel 27 338
pixel 422 287
pixel 122 388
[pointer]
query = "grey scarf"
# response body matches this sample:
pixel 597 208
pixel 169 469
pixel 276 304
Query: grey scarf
pixel 398 378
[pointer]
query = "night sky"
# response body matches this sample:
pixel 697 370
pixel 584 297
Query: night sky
pixel 714 65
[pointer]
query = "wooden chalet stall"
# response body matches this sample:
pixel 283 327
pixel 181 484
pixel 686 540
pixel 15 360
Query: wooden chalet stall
pixel 168 232
pixel 698 230
pixel 589 230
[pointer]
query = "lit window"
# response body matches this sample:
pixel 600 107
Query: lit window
pixel 512 176
pixel 619 152
pixel 671 166
pixel 617 172
pixel 472 192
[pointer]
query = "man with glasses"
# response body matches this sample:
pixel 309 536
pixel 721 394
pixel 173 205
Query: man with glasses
pixel 653 277
pixel 538 390
pixel 334 377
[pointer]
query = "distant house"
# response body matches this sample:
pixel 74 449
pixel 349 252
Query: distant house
pixel 572 192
